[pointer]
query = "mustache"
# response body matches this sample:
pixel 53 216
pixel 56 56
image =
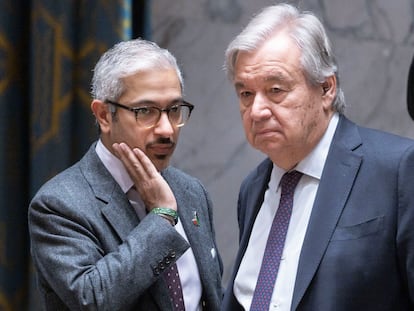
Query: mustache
pixel 163 141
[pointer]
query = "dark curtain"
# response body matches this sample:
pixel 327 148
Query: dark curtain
pixel 47 52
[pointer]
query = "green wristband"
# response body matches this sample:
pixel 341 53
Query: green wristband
pixel 167 212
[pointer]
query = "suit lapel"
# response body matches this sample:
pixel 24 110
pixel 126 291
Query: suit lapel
pixel 120 215
pixel 117 210
pixel 254 200
pixel 248 212
pixel 202 244
pixel 337 179
pixel 115 205
pixel 198 234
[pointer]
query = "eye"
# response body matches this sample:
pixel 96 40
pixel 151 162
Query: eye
pixel 275 90
pixel 143 111
pixel 174 109
pixel 245 94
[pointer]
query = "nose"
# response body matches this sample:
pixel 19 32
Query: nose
pixel 260 108
pixel 164 126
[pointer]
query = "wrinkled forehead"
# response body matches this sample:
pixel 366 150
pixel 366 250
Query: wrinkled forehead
pixel 272 62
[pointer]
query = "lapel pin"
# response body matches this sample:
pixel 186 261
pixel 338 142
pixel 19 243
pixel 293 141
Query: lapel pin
pixel 195 220
pixel 213 252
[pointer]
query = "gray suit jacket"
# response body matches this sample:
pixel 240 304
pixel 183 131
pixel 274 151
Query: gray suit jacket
pixel 91 252
pixel 358 252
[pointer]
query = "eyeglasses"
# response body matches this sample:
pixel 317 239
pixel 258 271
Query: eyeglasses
pixel 148 116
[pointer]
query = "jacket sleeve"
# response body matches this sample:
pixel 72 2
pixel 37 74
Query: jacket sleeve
pixel 79 257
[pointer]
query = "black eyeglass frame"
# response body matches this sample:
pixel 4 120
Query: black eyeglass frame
pixel 161 110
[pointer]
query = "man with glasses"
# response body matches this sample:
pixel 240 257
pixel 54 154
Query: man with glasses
pixel 121 229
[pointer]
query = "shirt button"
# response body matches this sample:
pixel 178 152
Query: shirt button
pixel 276 305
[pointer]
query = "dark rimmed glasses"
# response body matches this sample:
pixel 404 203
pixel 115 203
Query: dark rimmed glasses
pixel 148 116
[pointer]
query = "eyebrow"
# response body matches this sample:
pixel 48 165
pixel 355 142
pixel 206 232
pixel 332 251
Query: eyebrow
pixel 276 76
pixel 147 102
pixel 239 85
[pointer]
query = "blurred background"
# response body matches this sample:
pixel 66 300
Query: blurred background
pixel 49 47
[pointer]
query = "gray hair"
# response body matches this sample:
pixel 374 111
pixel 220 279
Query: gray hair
pixel 308 33
pixel 125 59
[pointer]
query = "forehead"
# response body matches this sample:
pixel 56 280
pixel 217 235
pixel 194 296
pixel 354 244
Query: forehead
pixel 276 58
pixel 158 80
pixel 154 76
pixel 152 85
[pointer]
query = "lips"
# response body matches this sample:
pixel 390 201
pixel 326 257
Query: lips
pixel 263 132
pixel 266 134
pixel 162 149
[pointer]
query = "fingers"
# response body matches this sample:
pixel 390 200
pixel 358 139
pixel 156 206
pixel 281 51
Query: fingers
pixel 135 161
pixel 149 183
pixel 145 161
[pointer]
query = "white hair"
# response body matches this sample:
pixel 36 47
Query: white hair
pixel 308 33
pixel 125 59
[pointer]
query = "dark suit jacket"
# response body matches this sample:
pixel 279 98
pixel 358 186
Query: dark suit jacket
pixel 91 251
pixel 358 252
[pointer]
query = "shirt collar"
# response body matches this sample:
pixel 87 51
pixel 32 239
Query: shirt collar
pixel 114 166
pixel 314 162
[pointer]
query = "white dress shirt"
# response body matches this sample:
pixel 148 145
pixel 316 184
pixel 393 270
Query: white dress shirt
pixel 186 264
pixel 304 197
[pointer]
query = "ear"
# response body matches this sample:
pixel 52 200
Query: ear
pixel 328 91
pixel 102 114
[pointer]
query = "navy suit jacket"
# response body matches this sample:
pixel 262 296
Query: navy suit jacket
pixel 358 252
pixel 91 252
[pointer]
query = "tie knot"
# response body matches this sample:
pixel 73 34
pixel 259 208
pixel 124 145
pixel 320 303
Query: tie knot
pixel 290 180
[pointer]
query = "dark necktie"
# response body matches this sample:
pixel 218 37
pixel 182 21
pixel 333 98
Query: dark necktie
pixel 275 244
pixel 172 278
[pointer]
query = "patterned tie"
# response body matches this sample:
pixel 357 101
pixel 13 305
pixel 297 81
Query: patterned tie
pixel 172 278
pixel 275 244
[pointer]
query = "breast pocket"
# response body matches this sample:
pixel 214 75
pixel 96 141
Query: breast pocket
pixel 359 230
